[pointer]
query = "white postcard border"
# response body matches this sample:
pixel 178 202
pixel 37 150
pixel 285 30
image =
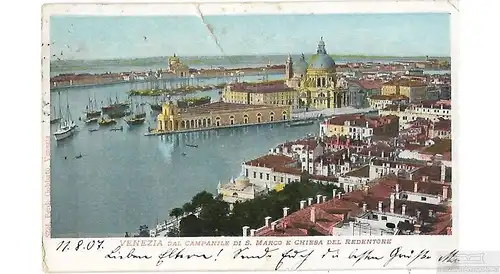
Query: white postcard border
pixel 88 258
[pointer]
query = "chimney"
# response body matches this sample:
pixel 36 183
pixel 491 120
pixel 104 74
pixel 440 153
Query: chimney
pixel 302 204
pixel 334 192
pixel 415 187
pixel 425 179
pixel 273 226
pixel 392 202
pixel 431 213
pixel 268 221
pixel 443 173
pixel 445 193
pixel 382 155
pixel 397 191
pixel 351 227
pixel 339 195
pixel 324 198
pixel 318 198
pixel 285 211
pixel 364 207
pixel 410 176
pixel 418 214
pixel 313 214
pixel 309 201
pixel 245 230
pixel 403 209
pixel 252 232
pixel 380 206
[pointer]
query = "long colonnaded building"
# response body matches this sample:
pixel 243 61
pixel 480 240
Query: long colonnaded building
pixel 217 115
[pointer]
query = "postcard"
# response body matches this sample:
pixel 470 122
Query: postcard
pixel 248 136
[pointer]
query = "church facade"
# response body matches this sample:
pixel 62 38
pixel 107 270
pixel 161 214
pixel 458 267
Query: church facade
pixel 317 81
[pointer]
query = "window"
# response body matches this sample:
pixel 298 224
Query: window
pixel 281 179
pixel 375 216
pixel 260 175
pixel 274 179
pixel 289 180
pixel 246 172
pixel 255 174
pixel 423 199
pixel 384 218
pixel 267 176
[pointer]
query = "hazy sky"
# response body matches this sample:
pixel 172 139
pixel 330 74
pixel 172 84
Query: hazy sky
pixel 84 37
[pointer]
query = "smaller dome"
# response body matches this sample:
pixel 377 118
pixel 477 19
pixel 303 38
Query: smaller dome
pixel 242 181
pixel 300 66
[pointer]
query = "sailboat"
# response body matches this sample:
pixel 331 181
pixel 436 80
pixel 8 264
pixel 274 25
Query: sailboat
pixel 137 118
pixel 106 122
pixel 57 119
pixel 156 106
pixel 67 126
pixel 92 110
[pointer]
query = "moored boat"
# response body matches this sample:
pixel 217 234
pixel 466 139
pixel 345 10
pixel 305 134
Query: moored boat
pixel 106 122
pixel 91 120
pixel 67 126
pixel 135 121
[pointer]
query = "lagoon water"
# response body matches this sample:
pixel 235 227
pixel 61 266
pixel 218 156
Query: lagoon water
pixel 126 179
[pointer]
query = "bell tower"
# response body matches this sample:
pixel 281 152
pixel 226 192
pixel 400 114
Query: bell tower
pixel 289 68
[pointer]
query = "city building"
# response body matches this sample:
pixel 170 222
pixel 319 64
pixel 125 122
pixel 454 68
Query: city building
pixel 360 126
pixel 317 81
pixel 239 190
pixel 434 150
pixel 176 67
pixel 218 114
pixel 416 91
pixel 440 129
pixel 264 93
pixel 389 207
pixel 272 171
pixel 382 101
pixel 429 110
pixel 361 90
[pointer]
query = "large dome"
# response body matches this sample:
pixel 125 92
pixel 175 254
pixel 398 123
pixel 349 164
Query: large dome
pixel 321 60
pixel 300 66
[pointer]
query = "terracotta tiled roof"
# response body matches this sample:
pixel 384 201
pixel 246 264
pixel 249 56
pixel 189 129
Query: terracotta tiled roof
pixel 370 84
pixel 389 97
pixel 405 83
pixel 271 161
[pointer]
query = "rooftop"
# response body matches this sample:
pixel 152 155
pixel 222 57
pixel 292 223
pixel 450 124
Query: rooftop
pixel 362 121
pixel 363 172
pixel 220 106
pixel 405 83
pixel 388 97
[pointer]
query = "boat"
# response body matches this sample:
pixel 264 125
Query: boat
pixel 191 145
pixel 67 126
pixel 106 122
pixel 116 128
pixel 92 109
pixel 57 119
pixel 138 116
pixel 91 120
pixel 93 129
pixel 300 123
pixel 134 121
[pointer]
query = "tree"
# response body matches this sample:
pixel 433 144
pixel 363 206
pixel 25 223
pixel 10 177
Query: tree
pixel 190 226
pixel 215 216
pixel 202 199
pixel 188 208
pixel 176 212
pixel 174 232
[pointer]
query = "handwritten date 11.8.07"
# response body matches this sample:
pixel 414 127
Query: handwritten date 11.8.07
pixel 80 245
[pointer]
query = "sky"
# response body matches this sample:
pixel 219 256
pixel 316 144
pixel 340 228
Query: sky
pixel 106 37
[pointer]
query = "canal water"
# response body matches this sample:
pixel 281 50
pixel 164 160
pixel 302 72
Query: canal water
pixel 126 179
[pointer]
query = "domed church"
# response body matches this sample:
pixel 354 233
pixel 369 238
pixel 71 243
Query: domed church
pixel 316 80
